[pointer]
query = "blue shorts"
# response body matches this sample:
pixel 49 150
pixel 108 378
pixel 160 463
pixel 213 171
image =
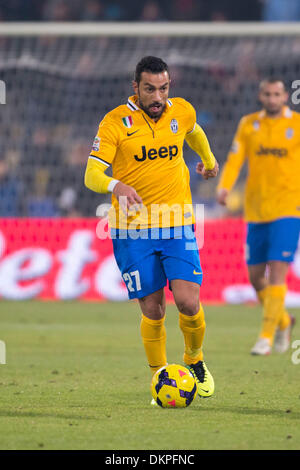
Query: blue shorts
pixel 158 255
pixel 272 241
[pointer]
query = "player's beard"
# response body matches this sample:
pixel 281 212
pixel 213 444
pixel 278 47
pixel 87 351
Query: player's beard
pixel 273 111
pixel 147 109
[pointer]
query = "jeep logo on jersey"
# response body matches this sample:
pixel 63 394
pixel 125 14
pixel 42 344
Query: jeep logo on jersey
pixel 174 126
pixel 162 152
pixel 276 152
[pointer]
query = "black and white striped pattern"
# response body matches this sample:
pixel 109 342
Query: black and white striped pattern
pixel 99 160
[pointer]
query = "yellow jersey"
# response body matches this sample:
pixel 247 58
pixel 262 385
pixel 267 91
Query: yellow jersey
pixel 148 156
pixel 271 147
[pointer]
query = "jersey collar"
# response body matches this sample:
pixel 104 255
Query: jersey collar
pixel 131 103
pixel 286 112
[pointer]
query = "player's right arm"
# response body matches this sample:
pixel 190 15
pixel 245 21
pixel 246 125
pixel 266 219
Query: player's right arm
pixel 102 155
pixel 234 163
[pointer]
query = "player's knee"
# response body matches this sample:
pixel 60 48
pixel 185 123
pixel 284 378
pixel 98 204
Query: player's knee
pixel 155 313
pixel 151 309
pixel 258 282
pixel 278 272
pixel 188 306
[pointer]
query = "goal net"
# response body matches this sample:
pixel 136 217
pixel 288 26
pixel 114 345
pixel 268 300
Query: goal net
pixel 60 80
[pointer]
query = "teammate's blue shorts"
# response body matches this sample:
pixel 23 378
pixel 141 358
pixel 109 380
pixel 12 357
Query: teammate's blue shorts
pixel 156 256
pixel 272 241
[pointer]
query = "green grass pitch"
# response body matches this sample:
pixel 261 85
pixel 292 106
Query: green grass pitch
pixel 76 378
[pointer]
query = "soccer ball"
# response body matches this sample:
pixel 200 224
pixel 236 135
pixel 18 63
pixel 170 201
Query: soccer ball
pixel 173 386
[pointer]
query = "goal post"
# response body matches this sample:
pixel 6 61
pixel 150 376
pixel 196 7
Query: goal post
pixel 149 29
pixel 60 79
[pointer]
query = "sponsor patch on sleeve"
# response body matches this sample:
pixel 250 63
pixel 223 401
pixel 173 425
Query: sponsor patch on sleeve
pixel 96 144
pixel 234 147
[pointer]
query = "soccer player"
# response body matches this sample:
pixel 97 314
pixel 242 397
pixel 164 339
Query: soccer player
pixel 270 142
pixel 143 141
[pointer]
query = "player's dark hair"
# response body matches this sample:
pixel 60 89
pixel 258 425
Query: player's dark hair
pixel 272 80
pixel 150 64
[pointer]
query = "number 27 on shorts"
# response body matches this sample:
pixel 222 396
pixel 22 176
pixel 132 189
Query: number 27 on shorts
pixel 132 279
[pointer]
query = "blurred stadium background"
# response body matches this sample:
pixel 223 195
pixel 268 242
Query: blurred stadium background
pixel 64 65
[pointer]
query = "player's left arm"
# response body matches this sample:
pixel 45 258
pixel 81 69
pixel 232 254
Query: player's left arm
pixel 198 142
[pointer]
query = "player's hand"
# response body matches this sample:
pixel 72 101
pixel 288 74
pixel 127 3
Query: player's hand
pixel 222 195
pixel 207 173
pixel 127 196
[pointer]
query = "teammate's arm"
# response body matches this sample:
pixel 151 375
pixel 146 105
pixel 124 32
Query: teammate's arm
pixel 233 165
pixel 198 142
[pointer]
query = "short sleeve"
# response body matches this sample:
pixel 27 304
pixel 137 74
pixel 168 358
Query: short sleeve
pixel 105 143
pixel 191 117
pixel 238 146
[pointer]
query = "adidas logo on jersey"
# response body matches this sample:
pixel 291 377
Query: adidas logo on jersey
pixel 162 152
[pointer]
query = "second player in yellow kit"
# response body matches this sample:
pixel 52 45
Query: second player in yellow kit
pixel 271 147
pixel 143 141
pixel 269 140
